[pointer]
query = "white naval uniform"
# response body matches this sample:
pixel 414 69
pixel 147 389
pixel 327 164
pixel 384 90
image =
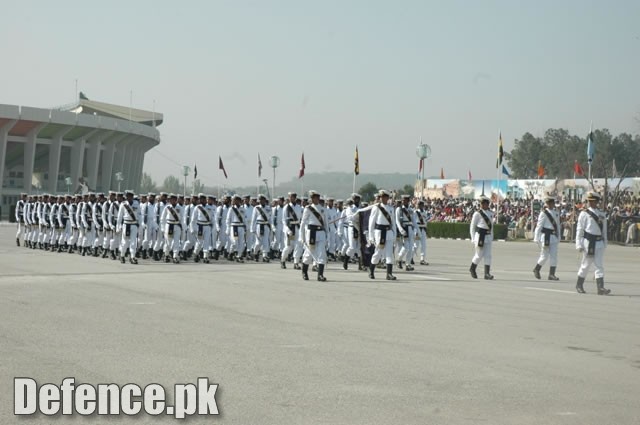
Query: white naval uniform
pixel 22 228
pixel 332 216
pixel 159 210
pixel 407 226
pixel 379 224
pixel 588 229
pixel 260 227
pixel 478 225
pixel 278 237
pixel 223 235
pixel 73 237
pixel 98 224
pixel 114 209
pixel 202 222
pixel 317 251
pixel 189 238
pixel 173 219
pixel 291 216
pixel 87 223
pixel 149 225
pixel 64 218
pixel 422 219
pixel 353 234
pixel 128 219
pixel 55 225
pixel 236 228
pixel 544 226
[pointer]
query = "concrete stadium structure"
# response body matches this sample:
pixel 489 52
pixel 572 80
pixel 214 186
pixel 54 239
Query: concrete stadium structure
pixel 53 150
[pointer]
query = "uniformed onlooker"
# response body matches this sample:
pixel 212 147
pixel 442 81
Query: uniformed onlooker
pixel 591 240
pixel 481 230
pixel 547 236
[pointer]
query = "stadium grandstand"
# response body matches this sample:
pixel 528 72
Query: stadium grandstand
pixel 83 146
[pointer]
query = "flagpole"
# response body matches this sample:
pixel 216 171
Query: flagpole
pixel 354 183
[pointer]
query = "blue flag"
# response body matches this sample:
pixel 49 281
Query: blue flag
pixel 591 147
pixel 505 171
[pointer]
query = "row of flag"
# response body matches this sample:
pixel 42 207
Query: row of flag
pixel 499 162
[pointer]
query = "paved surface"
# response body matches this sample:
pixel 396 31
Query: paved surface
pixel 434 347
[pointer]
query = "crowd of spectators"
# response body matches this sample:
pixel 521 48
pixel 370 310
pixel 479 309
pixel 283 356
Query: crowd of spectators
pixel 623 215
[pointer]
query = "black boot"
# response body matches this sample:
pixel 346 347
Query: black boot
pixel 372 268
pixel 400 264
pixel 305 271
pixel 601 288
pixel 122 259
pixel 105 253
pixel 18 241
pixel 345 262
pixel 216 254
pixel 283 265
pixel 144 254
pixel 112 254
pixel 472 269
pixel 536 271
pixel 552 273
pixel 84 251
pixel 321 277
pixel 487 274
pixel 96 252
pixel 196 259
pixel 133 259
pixel 579 286
pixel 390 276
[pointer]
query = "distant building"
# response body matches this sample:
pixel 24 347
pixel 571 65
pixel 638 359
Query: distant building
pixel 85 143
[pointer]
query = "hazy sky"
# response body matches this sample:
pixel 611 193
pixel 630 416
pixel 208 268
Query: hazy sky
pixel 234 78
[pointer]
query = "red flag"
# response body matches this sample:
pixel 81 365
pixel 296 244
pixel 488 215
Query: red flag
pixel 441 173
pixel 301 173
pixel 221 166
pixel 577 168
pixel 470 179
pixel 540 169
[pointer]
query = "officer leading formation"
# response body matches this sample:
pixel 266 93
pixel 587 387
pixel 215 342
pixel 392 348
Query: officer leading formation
pixel 307 232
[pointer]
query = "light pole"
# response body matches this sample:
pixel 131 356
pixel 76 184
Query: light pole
pixel 185 172
pixel 423 151
pixel 119 178
pixel 274 161
pixel 68 182
pixel 266 184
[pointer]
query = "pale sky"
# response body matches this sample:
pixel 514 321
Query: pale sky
pixel 237 78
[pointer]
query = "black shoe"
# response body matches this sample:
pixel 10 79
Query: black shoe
pixel 423 263
pixel 196 259
pixel 144 254
pixel 206 260
pixel 296 266
pixel 283 265
pixel 579 285
pixel 345 262
pixel 113 255
pixel 305 271
pixel 18 241
pixel 176 260
pixel 487 274
pixel 372 268
pixel 216 255
pixel 84 251
pixel 122 260
pixel 601 289
pixel 167 259
pixel 133 260
pixel 390 275
pixel 536 271
pixel 409 268
pixel 105 253
pixel 472 270
pixel 552 273
pixel 400 265
pixel 321 277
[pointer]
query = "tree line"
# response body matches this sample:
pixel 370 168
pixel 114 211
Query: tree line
pixel 558 150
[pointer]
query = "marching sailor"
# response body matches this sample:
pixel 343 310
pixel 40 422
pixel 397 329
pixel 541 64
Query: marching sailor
pixel 20 207
pixel 547 236
pixel 422 220
pixel 261 229
pixel 314 236
pixel 353 234
pixel 236 227
pixel 591 240
pixel 127 225
pixel 481 230
pixel 201 223
pixel 382 230
pixel 406 225
pixel 291 216
pixel 172 217
pixel 64 219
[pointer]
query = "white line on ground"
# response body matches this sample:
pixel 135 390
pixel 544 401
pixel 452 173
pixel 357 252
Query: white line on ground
pixel 550 290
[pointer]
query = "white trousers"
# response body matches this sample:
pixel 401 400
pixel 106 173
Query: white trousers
pixel 483 253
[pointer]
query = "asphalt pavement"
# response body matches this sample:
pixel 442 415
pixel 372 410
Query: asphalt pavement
pixel 433 347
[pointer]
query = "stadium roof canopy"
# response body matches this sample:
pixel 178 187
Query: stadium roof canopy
pixel 91 107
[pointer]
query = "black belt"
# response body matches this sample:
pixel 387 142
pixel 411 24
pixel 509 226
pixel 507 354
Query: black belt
pixel 482 232
pixel 383 232
pixel 547 235
pixel 312 233
pixel 591 249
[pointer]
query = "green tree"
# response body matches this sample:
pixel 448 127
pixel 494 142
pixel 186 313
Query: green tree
pixel 407 189
pixel 368 192
pixel 172 184
pixel 147 184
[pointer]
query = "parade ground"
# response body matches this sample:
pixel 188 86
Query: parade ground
pixel 433 347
